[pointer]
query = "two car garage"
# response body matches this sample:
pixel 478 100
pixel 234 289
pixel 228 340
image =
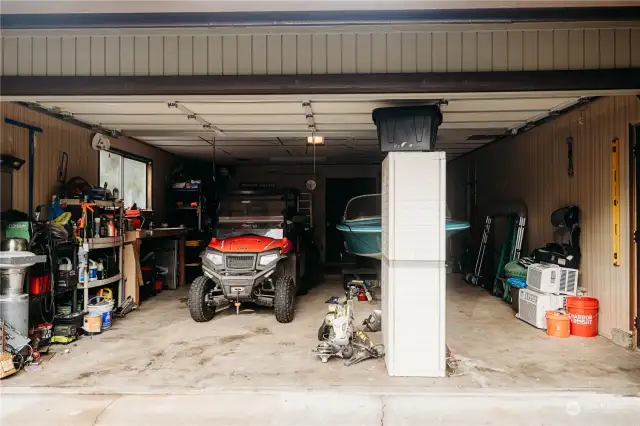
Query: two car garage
pixel 512 96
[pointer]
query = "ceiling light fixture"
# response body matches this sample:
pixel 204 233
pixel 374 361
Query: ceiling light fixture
pixel 315 140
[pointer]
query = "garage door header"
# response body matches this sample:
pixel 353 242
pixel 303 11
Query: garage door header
pixel 438 82
pixel 296 18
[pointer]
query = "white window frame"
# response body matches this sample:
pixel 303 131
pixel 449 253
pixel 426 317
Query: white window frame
pixel 124 155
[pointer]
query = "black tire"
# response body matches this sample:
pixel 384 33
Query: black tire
pixel 198 308
pixel 284 299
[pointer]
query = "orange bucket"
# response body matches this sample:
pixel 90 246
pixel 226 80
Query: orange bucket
pixel 558 324
pixel 583 313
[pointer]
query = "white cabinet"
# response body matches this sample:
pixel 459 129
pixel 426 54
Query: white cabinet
pixel 413 263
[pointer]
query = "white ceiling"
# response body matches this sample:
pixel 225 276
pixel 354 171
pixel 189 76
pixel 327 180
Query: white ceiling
pixel 274 129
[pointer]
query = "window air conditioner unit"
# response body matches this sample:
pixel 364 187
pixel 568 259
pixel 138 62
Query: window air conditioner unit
pixel 555 279
pixel 532 306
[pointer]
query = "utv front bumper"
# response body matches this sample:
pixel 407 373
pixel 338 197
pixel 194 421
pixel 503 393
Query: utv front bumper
pixel 237 284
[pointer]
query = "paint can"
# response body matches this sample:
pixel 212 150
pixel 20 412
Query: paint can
pixel 92 323
pixel 102 306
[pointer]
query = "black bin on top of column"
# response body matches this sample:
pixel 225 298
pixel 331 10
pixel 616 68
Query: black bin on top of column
pixel 407 128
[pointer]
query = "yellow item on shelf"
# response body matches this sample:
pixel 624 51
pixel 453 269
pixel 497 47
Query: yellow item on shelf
pixel 62 219
pixel 107 293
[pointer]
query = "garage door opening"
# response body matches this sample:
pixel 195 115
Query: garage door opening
pixel 480 327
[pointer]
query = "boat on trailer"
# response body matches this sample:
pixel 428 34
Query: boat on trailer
pixel 361 226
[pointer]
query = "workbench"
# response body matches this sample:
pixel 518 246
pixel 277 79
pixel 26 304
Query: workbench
pixel 133 241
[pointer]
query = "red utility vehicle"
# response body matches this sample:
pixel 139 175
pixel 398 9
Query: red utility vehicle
pixel 256 257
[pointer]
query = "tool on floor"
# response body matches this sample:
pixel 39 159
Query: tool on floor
pixel 64 333
pixel 337 329
pixel 364 349
pixel 6 359
pixel 127 306
pixel 474 278
pixel 373 322
pixel 17 344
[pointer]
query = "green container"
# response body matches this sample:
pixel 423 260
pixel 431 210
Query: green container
pixel 17 230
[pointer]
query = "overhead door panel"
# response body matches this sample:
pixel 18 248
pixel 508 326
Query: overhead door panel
pixel 320 50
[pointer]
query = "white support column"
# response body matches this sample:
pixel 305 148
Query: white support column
pixel 413 263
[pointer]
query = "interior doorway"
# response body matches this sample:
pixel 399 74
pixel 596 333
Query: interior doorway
pixel 339 192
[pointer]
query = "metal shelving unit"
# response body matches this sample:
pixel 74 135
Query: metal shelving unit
pixel 305 206
pixel 187 196
pixel 90 244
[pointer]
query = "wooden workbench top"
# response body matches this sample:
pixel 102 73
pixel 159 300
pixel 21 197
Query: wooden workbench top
pixel 131 236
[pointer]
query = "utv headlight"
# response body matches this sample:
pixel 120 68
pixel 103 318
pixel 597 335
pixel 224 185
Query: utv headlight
pixel 214 257
pixel 266 259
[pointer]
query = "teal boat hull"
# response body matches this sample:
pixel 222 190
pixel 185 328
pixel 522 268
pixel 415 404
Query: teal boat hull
pixel 363 237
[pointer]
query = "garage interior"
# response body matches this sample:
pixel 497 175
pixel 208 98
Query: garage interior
pixel 504 140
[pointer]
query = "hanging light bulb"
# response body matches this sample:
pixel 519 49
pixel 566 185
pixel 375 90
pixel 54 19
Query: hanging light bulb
pixel 315 140
pixel 311 183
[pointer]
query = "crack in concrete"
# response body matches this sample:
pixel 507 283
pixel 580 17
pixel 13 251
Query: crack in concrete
pixel 382 408
pixel 95 422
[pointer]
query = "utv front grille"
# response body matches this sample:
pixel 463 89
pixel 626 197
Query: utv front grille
pixel 240 261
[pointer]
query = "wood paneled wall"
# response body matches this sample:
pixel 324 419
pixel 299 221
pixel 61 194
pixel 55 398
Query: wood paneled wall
pixel 533 167
pixel 59 136
pixel 321 50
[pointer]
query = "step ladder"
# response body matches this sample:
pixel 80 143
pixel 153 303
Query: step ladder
pixel 305 207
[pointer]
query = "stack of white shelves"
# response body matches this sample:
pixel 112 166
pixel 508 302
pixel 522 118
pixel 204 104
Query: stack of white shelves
pixel 413 263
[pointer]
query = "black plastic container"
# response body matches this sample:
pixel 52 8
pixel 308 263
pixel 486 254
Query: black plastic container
pixel 412 128
pixel 76 320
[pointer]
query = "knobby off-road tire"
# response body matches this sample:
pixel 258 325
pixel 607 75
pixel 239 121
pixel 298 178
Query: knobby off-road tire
pixel 198 308
pixel 284 299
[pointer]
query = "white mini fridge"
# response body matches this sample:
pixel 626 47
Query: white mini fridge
pixel 413 263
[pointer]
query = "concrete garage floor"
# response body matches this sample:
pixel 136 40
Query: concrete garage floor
pixel 160 351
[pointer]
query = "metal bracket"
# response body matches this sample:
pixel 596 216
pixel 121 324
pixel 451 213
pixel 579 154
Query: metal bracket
pixel 308 114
